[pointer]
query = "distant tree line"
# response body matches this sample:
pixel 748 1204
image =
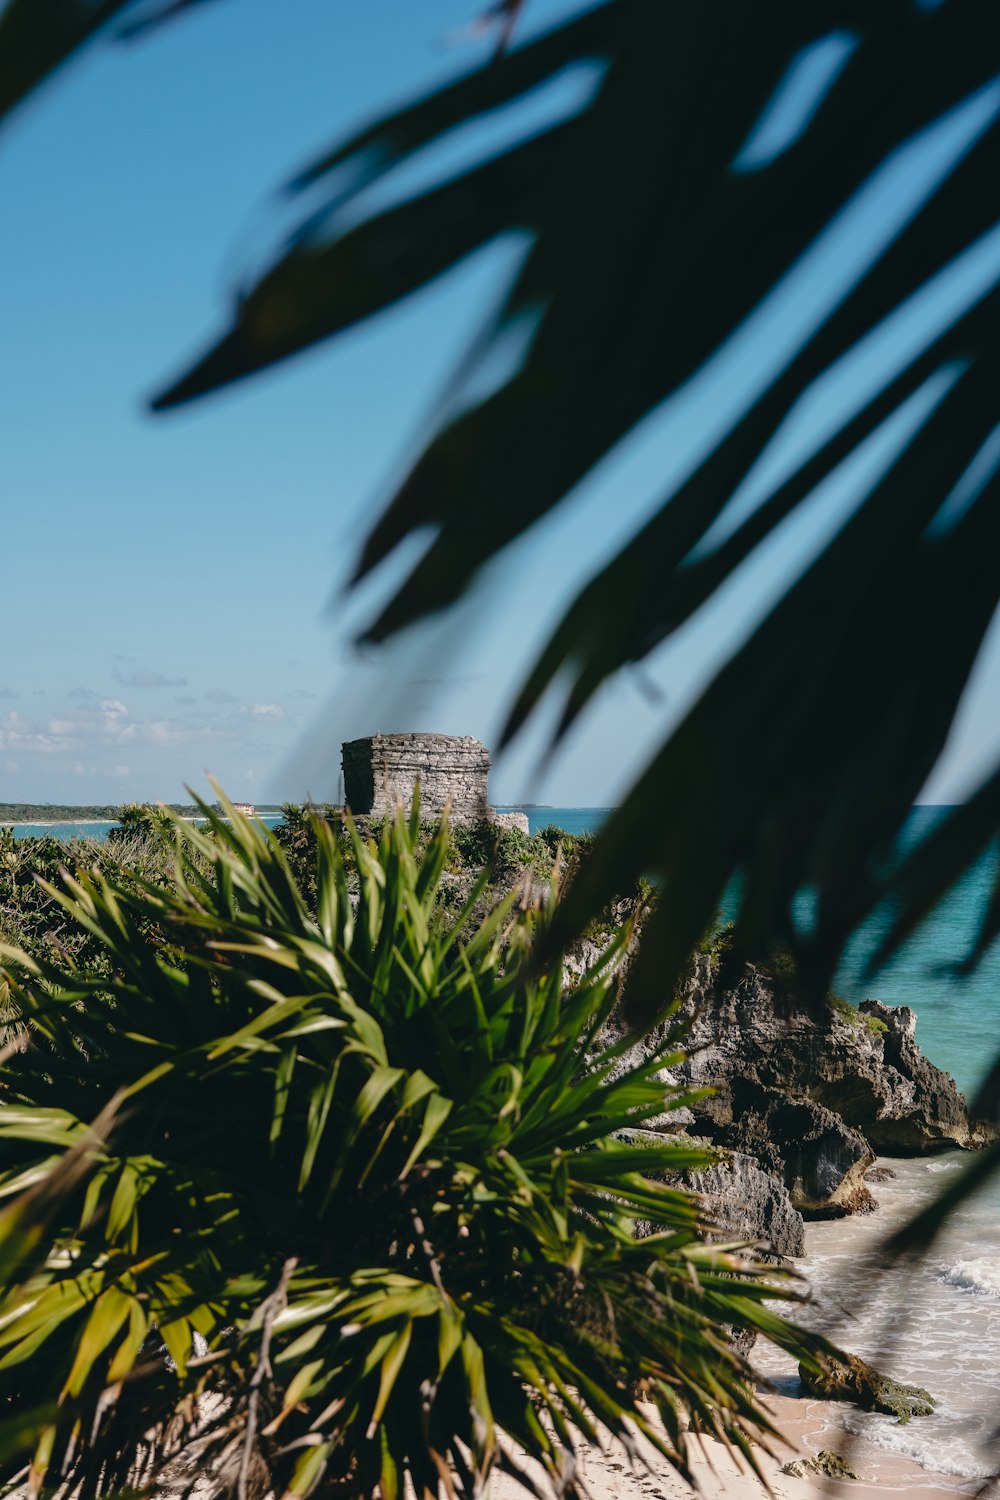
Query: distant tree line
pixel 61 812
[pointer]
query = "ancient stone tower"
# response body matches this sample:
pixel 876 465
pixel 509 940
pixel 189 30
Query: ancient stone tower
pixel 381 771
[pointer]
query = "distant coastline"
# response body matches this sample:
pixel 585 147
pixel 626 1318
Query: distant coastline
pixel 51 814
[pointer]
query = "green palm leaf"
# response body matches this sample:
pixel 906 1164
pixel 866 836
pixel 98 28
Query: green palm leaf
pixel 394 1255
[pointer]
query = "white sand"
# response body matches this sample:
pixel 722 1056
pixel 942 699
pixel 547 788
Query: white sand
pixel 721 1476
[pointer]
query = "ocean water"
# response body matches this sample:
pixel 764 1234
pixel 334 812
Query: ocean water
pixel 936 1325
pixel 958 1018
pixel 98 829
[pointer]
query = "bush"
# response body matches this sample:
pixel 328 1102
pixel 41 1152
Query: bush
pixel 380 1172
pixel 499 849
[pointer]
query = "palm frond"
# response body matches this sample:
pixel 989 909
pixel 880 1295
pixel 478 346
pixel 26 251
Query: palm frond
pixel 374 1165
pixel 694 232
pixel 656 225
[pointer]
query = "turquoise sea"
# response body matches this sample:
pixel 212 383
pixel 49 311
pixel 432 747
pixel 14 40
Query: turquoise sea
pixel 958 1019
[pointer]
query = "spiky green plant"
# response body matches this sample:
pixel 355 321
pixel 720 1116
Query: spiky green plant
pixel 376 1160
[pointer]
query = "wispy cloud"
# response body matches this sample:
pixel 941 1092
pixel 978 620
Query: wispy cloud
pixel 7 693
pixel 220 695
pixel 267 713
pixel 141 677
pixel 92 726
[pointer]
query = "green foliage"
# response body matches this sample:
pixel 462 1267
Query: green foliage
pixel 140 820
pixel 717 941
pixel 500 849
pixel 378 1166
pixel 855 1017
pixel 32 918
pixel 830 692
pixel 296 835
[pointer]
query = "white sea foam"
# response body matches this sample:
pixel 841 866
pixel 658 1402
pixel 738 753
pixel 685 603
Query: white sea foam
pixel 941 1166
pixel 980 1275
pixel 925 1446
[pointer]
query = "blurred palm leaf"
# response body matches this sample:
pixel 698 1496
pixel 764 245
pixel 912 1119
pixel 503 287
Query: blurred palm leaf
pixel 661 210
pixel 374 1157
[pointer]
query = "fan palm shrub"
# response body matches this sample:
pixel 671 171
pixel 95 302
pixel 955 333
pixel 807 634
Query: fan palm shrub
pixel 325 1200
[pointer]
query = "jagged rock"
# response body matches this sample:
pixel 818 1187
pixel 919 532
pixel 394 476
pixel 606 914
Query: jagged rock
pixel 880 1174
pixel 744 1202
pixel 583 956
pixel 821 1161
pixel 742 1340
pixel 749 1031
pixel 825 1462
pixel 851 1378
pixel 925 1110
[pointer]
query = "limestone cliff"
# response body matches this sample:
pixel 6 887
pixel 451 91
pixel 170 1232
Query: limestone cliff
pixel 807 1098
pixel 751 1039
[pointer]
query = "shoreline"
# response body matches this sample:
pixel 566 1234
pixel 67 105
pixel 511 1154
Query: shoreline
pixel 906 1323
pixel 720 1474
pixel 111 822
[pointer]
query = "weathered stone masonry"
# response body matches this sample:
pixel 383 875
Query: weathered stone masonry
pixel 381 771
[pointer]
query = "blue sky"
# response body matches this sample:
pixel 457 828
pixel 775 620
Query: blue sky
pixel 171 589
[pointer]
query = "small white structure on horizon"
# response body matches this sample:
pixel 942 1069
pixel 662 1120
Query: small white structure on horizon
pixel 246 808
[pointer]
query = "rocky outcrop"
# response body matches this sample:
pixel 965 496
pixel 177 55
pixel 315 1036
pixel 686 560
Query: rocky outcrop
pixel 744 1202
pixel 751 1038
pixel 826 1463
pixel 850 1378
pixel 821 1161
pixel 808 1096
pixel 518 820
pixel 919 1107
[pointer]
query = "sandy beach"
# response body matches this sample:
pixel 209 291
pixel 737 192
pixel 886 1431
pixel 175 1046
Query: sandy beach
pixel 809 1426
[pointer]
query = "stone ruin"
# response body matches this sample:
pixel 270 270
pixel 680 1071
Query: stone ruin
pixel 381 771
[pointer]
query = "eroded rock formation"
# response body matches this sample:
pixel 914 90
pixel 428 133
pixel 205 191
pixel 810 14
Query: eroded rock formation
pixel 750 1038
pixel 821 1160
pixel 808 1098
pixel 854 1379
pixel 745 1202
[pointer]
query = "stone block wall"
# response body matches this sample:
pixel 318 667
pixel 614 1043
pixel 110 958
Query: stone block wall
pixel 381 771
